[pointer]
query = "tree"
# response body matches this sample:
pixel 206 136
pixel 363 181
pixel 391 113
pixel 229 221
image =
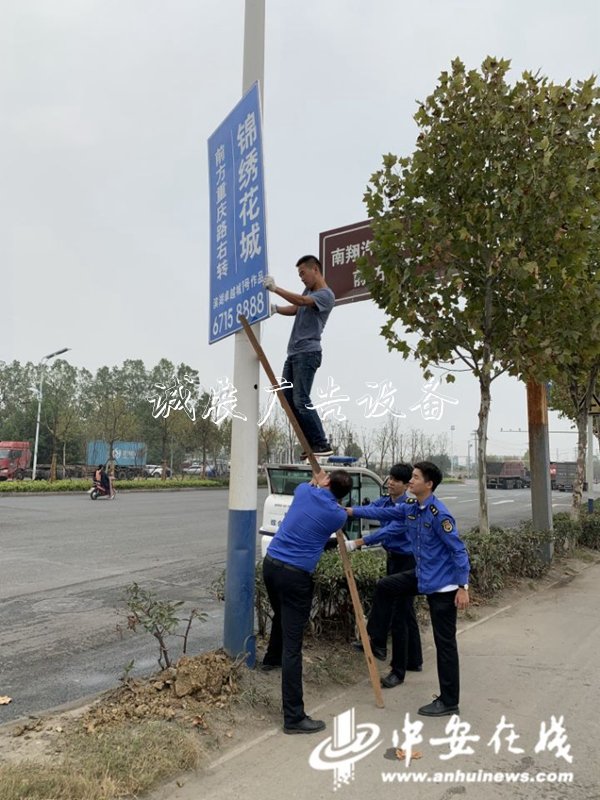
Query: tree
pixel 368 444
pixel 571 395
pixel 110 417
pixel 18 401
pixel 482 236
pixel 61 409
pixel 271 436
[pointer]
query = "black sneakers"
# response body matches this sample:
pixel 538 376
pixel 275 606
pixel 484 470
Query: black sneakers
pixel 319 452
pixel 306 725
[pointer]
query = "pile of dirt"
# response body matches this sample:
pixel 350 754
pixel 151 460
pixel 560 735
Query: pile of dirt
pixel 185 692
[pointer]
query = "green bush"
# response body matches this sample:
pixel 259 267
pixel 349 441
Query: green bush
pixel 496 557
pixel 566 533
pixel 488 554
pixel 590 530
pixel 332 609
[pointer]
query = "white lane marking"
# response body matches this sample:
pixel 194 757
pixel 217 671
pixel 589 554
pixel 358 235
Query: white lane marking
pixel 449 497
pixel 460 502
pixel 501 502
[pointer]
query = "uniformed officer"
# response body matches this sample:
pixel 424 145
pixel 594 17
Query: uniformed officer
pixel 288 569
pixel 407 653
pixel 441 573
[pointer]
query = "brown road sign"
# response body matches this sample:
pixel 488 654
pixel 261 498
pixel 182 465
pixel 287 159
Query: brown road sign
pixel 339 248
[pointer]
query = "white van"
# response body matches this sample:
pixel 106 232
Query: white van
pixel 282 480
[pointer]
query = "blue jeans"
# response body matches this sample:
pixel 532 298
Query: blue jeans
pixel 300 370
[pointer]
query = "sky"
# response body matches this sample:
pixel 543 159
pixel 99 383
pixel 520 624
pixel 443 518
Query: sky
pixel 106 109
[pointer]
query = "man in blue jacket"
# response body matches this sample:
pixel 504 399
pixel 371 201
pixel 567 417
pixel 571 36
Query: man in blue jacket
pixel 407 653
pixel 288 567
pixel 441 573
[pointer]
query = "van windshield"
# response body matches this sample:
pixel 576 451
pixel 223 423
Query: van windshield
pixel 285 481
pixel 4 452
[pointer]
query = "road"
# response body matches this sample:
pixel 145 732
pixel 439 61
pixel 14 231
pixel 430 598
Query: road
pixel 66 562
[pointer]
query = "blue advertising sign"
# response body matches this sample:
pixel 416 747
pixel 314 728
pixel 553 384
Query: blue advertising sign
pixel 238 240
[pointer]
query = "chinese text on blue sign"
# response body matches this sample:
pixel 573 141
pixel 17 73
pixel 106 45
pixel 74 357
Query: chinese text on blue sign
pixel 238 246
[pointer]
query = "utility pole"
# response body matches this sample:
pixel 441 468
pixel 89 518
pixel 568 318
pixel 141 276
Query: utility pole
pixel 539 457
pixel 41 367
pixel 238 629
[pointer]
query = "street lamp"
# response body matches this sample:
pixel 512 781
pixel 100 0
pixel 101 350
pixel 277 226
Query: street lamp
pixel 41 366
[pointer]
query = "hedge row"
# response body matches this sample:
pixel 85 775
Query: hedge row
pixel 497 557
pixel 84 485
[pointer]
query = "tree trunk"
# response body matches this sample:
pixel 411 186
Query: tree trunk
pixel 485 400
pixel 582 418
pixel 581 453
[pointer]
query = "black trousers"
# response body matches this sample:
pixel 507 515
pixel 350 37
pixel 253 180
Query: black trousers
pixel 290 594
pixel 443 621
pixel 407 652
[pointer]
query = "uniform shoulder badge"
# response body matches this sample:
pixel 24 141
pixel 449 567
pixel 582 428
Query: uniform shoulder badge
pixel 447 526
pixel 435 511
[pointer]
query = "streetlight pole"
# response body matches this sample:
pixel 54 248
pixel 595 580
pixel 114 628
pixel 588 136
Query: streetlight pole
pixel 41 366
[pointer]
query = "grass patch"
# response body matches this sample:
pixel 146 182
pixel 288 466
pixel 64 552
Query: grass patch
pixel 120 761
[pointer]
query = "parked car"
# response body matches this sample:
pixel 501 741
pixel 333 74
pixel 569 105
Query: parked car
pixel 155 471
pixel 196 468
pixel 282 480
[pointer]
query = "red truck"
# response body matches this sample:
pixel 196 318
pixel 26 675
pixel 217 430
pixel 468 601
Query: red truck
pixel 507 475
pixel 15 459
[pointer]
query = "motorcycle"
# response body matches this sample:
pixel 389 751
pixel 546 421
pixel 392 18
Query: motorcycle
pixel 98 490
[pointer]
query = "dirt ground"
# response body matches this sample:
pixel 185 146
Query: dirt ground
pixel 210 694
pixel 221 700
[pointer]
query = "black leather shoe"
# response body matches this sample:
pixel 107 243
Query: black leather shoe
pixel 269 667
pixel 391 680
pixel 418 668
pixel 306 725
pixel 380 653
pixel 438 709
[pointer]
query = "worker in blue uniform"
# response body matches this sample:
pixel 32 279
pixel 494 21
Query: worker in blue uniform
pixel 407 653
pixel 291 559
pixel 441 573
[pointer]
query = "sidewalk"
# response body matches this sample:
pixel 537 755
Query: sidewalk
pixel 521 665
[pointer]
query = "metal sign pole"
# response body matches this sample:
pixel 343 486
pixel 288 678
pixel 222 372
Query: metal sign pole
pixel 238 628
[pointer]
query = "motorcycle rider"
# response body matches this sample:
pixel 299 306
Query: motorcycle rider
pixel 101 477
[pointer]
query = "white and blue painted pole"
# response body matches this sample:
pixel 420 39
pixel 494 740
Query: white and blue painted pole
pixel 238 634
